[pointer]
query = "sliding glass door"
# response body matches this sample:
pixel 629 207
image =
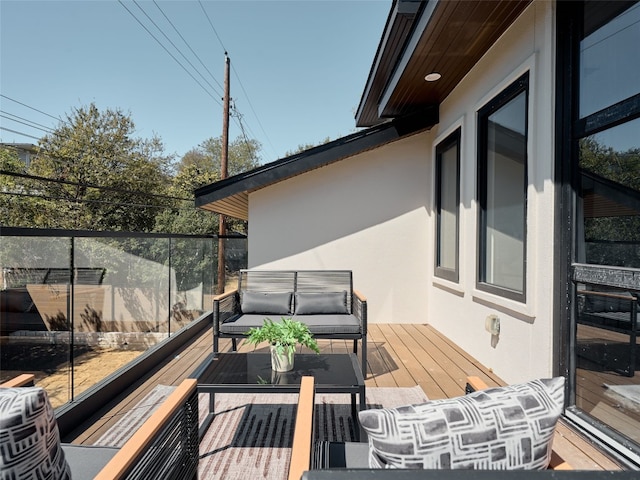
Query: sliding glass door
pixel 601 153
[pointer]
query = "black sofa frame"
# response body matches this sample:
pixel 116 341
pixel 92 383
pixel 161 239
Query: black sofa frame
pixel 227 306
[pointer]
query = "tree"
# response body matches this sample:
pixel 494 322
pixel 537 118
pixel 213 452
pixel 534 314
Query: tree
pixel 303 147
pixel 199 167
pixel 13 203
pixel 243 154
pixel 613 239
pixel 94 149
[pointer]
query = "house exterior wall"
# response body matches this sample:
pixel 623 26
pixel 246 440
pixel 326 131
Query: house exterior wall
pixel 373 214
pixel 524 347
pixel 367 214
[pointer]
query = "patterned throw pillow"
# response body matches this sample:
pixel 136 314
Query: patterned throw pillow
pixel 29 437
pixel 499 428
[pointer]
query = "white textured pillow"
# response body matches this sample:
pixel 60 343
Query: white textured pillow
pixel 495 429
pixel 29 437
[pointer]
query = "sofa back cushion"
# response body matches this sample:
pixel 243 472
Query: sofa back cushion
pixel 29 436
pixel 266 303
pixel 499 428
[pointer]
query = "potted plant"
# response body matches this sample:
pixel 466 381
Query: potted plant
pixel 283 336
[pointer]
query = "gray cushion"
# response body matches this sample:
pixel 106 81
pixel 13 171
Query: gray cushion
pixel 500 428
pixel 318 324
pixel 321 303
pixel 29 436
pixel 87 460
pixel 266 303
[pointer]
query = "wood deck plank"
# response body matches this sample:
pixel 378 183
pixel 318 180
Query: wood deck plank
pixel 381 364
pixel 399 355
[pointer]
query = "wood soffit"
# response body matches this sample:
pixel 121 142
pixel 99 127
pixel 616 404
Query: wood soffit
pixel 448 37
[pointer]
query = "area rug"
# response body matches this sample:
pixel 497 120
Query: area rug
pixel 251 434
pixel 627 395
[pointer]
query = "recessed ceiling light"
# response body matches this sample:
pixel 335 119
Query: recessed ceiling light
pixel 432 77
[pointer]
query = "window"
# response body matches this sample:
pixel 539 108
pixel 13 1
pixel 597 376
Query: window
pixel 502 192
pixel 447 206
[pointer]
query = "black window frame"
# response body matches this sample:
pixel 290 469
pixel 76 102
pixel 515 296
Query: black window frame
pixel 570 129
pixel 519 86
pixel 453 140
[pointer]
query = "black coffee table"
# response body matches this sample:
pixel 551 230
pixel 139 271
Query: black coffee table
pixel 251 373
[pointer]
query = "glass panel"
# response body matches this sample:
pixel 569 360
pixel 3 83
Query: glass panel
pixel 191 263
pixel 610 197
pixel 121 303
pixel 448 210
pixel 236 259
pixel 34 312
pixel 609 60
pixel 506 196
pixel 607 357
pixel 125 295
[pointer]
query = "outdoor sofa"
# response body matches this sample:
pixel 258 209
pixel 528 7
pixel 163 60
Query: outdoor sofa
pixel 322 299
pixel 164 447
pixel 311 459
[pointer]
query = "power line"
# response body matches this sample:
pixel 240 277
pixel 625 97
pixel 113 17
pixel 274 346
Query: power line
pixel 170 54
pixel 87 185
pixel 174 46
pixel 28 123
pixel 19 133
pixel 252 109
pixel 188 46
pixel 32 108
pixel 224 49
pixel 238 78
pixel 88 200
pixel 27 120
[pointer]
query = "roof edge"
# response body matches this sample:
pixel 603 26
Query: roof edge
pixel 238 186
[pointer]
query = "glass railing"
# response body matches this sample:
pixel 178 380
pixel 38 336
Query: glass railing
pixel 77 306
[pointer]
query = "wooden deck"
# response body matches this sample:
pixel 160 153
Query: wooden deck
pixel 399 355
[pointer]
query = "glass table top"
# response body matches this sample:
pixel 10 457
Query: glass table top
pixel 255 369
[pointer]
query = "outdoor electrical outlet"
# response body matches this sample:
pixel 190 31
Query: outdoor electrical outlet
pixel 492 324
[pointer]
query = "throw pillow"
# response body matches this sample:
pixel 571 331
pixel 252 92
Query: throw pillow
pixel 266 302
pixel 321 303
pixel 499 428
pixel 29 436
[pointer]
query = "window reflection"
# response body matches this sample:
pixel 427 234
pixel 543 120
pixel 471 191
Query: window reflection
pixel 609 60
pixel 610 198
pixel 503 196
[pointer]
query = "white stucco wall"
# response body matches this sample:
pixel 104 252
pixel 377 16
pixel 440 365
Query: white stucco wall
pixel 524 348
pixel 372 213
pixel 366 214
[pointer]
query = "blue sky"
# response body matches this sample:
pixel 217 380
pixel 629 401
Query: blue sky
pixel 298 67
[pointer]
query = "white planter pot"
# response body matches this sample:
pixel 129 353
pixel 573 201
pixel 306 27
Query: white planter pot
pixel 280 362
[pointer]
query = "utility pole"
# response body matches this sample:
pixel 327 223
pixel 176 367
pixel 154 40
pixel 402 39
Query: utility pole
pixel 224 157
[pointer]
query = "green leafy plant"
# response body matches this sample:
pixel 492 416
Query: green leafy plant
pixel 283 335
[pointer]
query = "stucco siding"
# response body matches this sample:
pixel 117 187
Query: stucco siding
pixel 373 214
pixel 524 348
pixel 366 213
